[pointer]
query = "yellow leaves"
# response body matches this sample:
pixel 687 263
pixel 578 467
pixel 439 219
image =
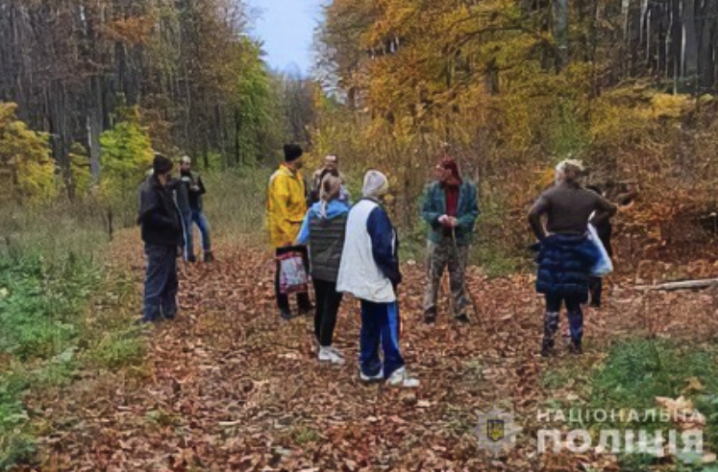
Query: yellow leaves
pixel 126 154
pixel 665 105
pixel 27 172
pixel 694 386
pixel 133 30
pixel 396 18
pixel 682 413
pixel 619 116
pixel 80 169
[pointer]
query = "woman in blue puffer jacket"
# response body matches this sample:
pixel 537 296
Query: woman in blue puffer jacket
pixel 566 254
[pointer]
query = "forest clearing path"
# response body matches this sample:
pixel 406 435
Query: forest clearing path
pixel 230 386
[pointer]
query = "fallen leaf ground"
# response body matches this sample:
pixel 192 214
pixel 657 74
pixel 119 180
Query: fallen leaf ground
pixel 229 386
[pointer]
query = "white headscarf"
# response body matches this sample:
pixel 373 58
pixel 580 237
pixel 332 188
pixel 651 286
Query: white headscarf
pixel 375 184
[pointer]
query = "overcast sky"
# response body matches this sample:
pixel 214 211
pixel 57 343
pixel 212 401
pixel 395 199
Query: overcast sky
pixel 287 29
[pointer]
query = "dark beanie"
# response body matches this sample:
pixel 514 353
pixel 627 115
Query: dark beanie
pixel 162 164
pixel 292 152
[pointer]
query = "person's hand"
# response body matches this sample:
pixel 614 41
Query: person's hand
pixel 453 222
pixel 627 207
pixel 444 220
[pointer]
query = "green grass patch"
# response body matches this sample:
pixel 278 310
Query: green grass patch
pixel 304 435
pixel 162 418
pixel 121 349
pixel 246 188
pixel 633 374
pixel 41 304
pixel 638 371
pixel 16 441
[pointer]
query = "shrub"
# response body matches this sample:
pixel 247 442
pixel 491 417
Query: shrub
pixel 27 172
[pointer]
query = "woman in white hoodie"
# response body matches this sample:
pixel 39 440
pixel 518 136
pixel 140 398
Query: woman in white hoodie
pixel 369 270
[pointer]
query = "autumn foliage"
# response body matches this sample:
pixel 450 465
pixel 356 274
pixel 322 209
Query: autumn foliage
pixel 513 90
pixel 27 172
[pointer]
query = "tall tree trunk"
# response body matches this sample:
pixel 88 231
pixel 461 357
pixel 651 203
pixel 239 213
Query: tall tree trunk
pixel 561 33
pixel 94 126
pixel 689 46
pixel 237 136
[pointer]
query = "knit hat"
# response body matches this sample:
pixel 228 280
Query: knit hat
pixel 292 152
pixel 162 164
pixel 375 184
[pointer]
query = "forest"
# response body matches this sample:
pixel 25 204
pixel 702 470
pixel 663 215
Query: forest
pixel 91 89
pixel 627 86
pixel 185 75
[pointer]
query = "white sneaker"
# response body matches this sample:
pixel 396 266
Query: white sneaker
pixel 327 354
pixel 367 378
pixel 400 378
pixel 336 351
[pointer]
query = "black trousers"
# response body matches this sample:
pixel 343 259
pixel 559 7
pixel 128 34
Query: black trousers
pixel 302 298
pixel 328 303
pixel 596 283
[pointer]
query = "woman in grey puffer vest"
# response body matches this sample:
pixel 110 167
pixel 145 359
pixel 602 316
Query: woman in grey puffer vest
pixel 324 230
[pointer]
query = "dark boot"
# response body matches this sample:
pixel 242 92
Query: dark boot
pixel 208 257
pixel 306 310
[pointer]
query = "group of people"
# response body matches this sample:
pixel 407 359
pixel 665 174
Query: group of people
pixel 169 207
pixel 353 247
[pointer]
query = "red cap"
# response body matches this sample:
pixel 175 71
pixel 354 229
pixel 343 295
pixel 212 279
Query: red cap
pixel 450 164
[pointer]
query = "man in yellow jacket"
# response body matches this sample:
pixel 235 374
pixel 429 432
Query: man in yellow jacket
pixel 286 209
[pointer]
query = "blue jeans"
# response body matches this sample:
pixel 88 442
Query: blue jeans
pixel 190 219
pixel 380 325
pixel 161 283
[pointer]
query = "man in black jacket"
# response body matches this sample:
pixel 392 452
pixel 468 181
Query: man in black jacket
pixel 161 225
pixel 604 229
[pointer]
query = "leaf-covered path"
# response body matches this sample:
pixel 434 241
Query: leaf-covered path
pixel 229 386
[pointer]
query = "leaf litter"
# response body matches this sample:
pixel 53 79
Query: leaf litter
pixel 232 387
